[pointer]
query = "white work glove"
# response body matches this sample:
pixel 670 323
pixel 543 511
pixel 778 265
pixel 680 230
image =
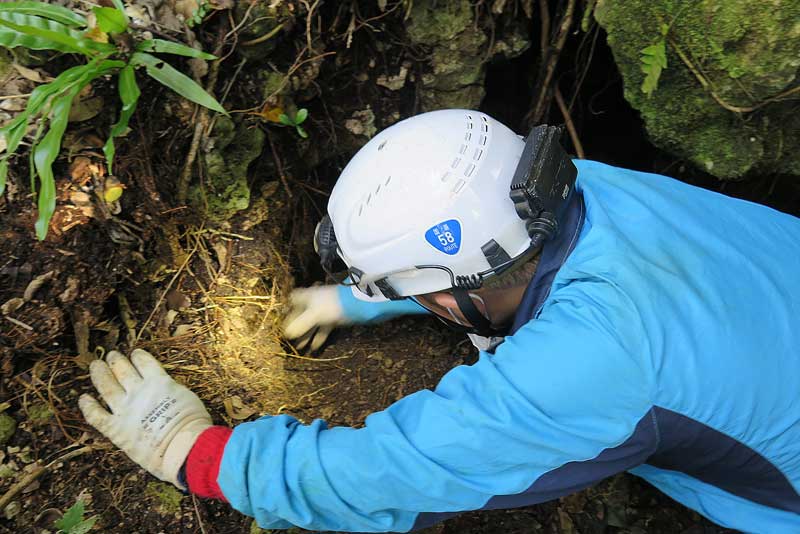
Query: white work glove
pixel 153 419
pixel 315 312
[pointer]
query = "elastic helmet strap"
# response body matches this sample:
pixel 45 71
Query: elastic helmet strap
pixel 479 321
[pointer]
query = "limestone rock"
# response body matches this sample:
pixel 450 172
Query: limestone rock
pixel 749 52
pixel 225 190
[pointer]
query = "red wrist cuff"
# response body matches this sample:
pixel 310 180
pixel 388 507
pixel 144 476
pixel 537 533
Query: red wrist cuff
pixel 202 464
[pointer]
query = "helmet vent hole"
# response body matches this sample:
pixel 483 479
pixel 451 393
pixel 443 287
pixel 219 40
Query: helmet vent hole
pixel 369 197
pixel 483 140
pixel 469 170
pixel 468 137
pixel 445 176
pixel 458 186
pixel 456 162
pixel 383 144
pixel 377 189
pixel 388 179
pixel 463 149
pixel 478 154
pixel 360 209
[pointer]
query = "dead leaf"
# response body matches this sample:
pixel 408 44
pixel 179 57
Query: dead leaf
pixel 97 35
pixel 221 250
pixel 186 8
pixel 80 169
pixel 31 74
pixel 35 284
pixel 85 108
pixel 271 113
pixel 198 67
pixel 177 300
pixel 237 409
pixel 182 330
pixel 80 327
pixel 12 305
pixel 70 293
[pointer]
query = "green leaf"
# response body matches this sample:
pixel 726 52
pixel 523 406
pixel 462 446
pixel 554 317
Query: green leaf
pixel 110 19
pixel 84 526
pixel 121 8
pixel 14 131
pixel 129 95
pixel 302 115
pixel 177 81
pixel 284 118
pixel 45 152
pixel 168 47
pixel 38 33
pixel 71 517
pixel 48 11
pixel 301 132
pixel 3 175
pixel 653 61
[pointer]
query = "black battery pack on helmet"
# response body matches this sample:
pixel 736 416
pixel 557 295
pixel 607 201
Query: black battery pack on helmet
pixel 543 181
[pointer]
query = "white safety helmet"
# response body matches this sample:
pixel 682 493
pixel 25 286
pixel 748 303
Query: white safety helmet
pixel 424 206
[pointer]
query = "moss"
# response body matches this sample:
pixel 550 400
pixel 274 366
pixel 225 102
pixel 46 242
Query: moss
pixel 225 190
pixel 165 497
pixel 7 428
pixel 39 414
pixel 749 51
pixel 457 53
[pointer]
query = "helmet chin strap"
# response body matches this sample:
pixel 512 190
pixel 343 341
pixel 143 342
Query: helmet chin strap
pixel 480 324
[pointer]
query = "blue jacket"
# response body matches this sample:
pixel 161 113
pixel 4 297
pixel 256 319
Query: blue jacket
pixel 661 335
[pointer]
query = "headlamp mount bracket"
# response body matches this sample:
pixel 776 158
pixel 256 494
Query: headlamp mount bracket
pixel 543 181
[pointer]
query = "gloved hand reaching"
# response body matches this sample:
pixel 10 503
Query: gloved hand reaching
pixel 153 419
pixel 315 312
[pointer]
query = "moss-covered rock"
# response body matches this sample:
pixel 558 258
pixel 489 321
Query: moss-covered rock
pixel 749 52
pixel 225 189
pixel 7 428
pixel 458 53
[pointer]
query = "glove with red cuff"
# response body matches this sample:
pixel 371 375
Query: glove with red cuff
pixel 160 424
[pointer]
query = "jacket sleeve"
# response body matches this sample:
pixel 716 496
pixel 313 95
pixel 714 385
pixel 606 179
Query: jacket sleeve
pixel 362 311
pixel 563 391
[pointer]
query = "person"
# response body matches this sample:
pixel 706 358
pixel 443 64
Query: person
pixel 629 322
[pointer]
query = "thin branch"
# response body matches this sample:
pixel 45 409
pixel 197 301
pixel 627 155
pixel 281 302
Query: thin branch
pixel 718 99
pixel 36 472
pixel 556 46
pixel 573 133
pixel 279 165
pixel 202 123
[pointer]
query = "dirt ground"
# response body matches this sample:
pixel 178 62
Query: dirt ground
pixel 207 297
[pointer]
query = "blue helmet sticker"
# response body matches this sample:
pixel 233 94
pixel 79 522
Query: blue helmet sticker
pixel 445 236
